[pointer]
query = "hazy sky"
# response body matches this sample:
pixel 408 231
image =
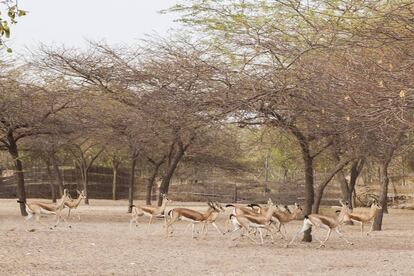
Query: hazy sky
pixel 70 22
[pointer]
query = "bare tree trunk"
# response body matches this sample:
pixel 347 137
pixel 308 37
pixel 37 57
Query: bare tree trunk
pixel 151 181
pixel 356 170
pixel 58 175
pixel 21 192
pixel 322 186
pixel 165 183
pixel 132 181
pixel 309 188
pixel 50 179
pixel 384 180
pixel 85 180
pixel 114 181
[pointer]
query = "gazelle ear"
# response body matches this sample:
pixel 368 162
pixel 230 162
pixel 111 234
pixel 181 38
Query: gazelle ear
pixel 78 192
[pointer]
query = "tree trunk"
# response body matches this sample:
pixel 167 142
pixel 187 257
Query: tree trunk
pixel 309 188
pixel 114 181
pixel 322 186
pixel 50 179
pixel 85 179
pixel 151 182
pixel 21 192
pixel 165 183
pixel 384 181
pixel 58 175
pixel 132 182
pixel 356 170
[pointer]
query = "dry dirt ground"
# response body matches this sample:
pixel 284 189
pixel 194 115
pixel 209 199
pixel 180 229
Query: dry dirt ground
pixel 101 244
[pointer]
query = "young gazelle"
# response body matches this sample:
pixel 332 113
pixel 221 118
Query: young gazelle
pixel 364 218
pixel 190 215
pixel 257 222
pixel 74 203
pixel 37 208
pixel 151 211
pixel 325 222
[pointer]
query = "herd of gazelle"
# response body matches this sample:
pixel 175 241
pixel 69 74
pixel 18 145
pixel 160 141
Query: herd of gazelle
pixel 248 219
pixel 37 208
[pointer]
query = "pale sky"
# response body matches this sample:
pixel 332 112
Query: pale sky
pixel 70 22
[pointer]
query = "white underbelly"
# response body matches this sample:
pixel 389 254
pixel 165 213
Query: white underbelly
pixel 189 219
pixel 46 212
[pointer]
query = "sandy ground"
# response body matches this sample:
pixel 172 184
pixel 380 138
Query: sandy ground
pixel 101 244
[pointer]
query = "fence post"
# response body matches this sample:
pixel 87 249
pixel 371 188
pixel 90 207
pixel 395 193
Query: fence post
pixel 235 193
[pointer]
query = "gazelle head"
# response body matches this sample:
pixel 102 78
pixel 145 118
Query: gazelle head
pixel 343 215
pixel 81 194
pixel 212 205
pixel 375 205
pixel 297 211
pixel 287 209
pixel 165 197
pixel 219 206
pixel 66 193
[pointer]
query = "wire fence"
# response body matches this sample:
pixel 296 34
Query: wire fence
pixel 196 187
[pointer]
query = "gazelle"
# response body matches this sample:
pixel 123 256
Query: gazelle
pixel 212 219
pixel 148 210
pixel 325 222
pixel 191 215
pixel 251 209
pixel 257 222
pixel 364 218
pixel 37 208
pixel 284 217
pixel 74 203
pixel 238 210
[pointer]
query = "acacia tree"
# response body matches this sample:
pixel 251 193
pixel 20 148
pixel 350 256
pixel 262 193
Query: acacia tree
pixel 28 110
pixel 274 40
pixel 85 153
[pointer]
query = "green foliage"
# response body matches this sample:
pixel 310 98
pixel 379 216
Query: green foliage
pixel 12 12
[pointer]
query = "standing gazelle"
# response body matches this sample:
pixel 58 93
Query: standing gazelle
pixel 325 222
pixel 151 211
pixel 74 203
pixel 364 218
pixel 37 208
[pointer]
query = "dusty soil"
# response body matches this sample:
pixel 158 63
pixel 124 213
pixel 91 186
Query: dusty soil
pixel 102 244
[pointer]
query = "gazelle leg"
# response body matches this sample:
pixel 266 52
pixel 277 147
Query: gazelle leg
pixel 342 236
pixel 192 230
pixel 69 213
pixel 261 235
pixel 270 233
pixel 253 240
pixel 37 217
pixel 204 229
pixel 169 224
pixel 327 237
pixel 371 228
pixel 130 223
pixel 218 229
pixel 186 228
pixel 305 227
pixel 59 216
pixel 149 223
